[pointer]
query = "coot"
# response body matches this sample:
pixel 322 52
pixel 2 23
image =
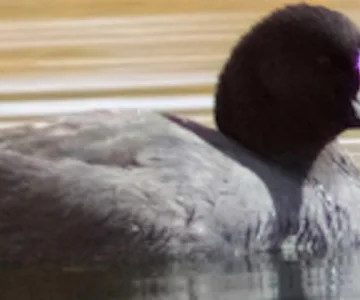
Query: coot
pixel 137 187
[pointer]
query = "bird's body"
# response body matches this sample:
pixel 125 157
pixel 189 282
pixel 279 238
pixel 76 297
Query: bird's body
pixel 135 188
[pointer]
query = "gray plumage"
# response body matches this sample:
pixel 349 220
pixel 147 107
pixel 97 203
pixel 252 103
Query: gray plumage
pixel 138 187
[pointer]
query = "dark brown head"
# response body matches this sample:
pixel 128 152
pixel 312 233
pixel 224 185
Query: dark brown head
pixel 290 84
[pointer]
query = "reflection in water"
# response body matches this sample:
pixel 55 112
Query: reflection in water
pixel 260 278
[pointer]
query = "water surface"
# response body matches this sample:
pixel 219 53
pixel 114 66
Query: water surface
pixel 256 278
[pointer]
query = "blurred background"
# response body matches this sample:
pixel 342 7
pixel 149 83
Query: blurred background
pixel 63 56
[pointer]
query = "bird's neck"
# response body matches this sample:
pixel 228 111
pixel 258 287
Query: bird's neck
pixel 323 163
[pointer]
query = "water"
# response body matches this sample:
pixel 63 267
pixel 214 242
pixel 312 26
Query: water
pixel 257 278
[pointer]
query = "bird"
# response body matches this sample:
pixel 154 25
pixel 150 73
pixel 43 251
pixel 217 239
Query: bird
pixel 136 187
